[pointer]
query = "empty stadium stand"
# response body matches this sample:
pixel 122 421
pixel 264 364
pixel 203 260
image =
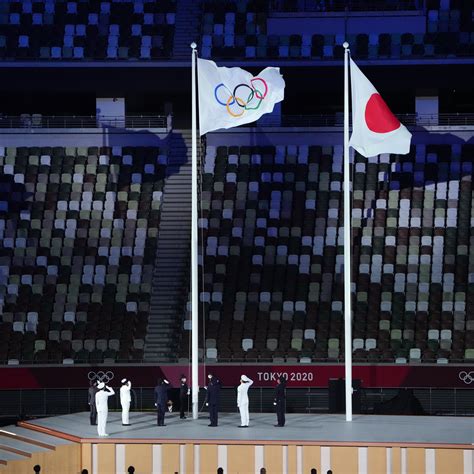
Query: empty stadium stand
pixel 240 30
pixel 78 240
pixel 56 30
pixel 272 263
pixel 51 30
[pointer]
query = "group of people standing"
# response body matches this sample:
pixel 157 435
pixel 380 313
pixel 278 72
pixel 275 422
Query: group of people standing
pixel 212 400
pixel 162 401
pixel 98 399
pixel 99 394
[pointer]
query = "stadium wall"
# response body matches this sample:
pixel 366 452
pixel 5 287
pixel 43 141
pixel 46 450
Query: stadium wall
pixel 329 22
pixel 204 456
pixel 264 375
pixel 207 457
pixel 258 136
pixel 77 137
pixel 330 135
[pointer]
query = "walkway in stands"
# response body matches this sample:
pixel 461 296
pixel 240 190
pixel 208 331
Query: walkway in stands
pixel 186 28
pixel 171 269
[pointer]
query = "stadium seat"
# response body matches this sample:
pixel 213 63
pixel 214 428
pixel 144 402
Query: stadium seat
pixel 81 280
pixel 254 42
pixel 399 311
pixel 90 32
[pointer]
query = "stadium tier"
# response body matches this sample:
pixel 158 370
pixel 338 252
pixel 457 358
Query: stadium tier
pixel 55 30
pixel 272 255
pixel 78 241
pixel 79 228
pixel 249 29
pixel 145 30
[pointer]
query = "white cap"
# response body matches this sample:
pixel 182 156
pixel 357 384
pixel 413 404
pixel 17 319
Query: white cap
pixel 244 378
pixel 101 385
pixel 209 376
pixel 123 381
pixel 165 381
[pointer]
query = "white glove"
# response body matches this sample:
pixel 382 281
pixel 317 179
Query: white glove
pixel 156 405
pixel 207 404
pixel 274 403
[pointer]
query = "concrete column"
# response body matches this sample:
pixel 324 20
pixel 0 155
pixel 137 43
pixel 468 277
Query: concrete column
pixel 427 107
pixel 110 111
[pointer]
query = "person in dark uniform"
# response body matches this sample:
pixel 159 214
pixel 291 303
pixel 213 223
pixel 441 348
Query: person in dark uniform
pixel 91 400
pixel 212 398
pixel 183 397
pixel 280 400
pixel 161 400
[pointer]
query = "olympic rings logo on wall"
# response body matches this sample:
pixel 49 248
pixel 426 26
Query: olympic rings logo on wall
pixel 466 377
pixel 101 376
pixel 256 93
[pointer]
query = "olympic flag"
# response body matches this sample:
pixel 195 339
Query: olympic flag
pixel 232 96
pixel 375 129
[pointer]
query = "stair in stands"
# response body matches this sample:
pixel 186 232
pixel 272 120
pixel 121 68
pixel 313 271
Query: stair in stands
pixel 171 271
pixel 186 27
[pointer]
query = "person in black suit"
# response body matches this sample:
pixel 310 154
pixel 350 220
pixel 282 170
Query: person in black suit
pixel 212 398
pixel 280 401
pixel 183 397
pixel 161 400
pixel 91 400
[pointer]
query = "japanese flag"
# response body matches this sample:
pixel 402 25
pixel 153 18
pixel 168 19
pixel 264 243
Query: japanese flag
pixel 375 129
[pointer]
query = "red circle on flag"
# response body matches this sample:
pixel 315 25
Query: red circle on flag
pixel 378 116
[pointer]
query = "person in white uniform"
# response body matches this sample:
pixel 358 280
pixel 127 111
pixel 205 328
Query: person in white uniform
pixel 243 400
pixel 125 400
pixel 102 404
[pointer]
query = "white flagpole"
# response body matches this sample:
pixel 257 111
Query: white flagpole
pixel 194 244
pixel 347 244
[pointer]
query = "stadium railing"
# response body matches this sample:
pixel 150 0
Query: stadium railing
pixel 161 121
pixel 331 120
pixel 83 121
pixel 341 6
pixel 59 401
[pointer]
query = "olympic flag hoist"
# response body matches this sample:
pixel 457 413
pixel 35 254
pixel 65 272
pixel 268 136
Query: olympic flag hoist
pixel 229 97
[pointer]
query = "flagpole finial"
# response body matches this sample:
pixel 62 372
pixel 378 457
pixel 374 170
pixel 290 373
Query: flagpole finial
pixel 345 45
pixel 193 45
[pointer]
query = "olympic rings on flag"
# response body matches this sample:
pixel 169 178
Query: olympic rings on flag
pixel 257 91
